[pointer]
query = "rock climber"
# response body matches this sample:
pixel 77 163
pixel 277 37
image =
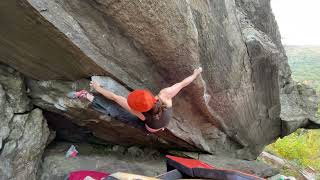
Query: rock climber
pixel 155 111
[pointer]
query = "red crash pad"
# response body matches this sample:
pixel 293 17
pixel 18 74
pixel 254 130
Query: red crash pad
pixel 80 175
pixel 198 169
pixel 190 163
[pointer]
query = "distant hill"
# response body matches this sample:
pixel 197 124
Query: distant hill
pixel 304 62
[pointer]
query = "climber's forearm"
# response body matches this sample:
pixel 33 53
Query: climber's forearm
pixel 169 92
pixel 188 80
pixel 108 94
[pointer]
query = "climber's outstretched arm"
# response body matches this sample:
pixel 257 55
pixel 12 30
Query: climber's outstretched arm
pixel 122 101
pixel 168 93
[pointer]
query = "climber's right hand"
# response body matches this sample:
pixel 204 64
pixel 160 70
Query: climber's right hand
pixel 95 85
pixel 197 71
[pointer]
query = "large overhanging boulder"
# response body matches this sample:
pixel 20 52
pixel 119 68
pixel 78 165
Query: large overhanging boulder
pixel 233 109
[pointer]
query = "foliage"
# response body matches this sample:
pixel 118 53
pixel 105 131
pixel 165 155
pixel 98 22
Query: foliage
pixel 302 147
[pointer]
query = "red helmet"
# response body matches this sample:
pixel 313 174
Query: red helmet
pixel 141 100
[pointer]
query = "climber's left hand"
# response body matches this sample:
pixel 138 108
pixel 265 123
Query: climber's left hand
pixel 95 85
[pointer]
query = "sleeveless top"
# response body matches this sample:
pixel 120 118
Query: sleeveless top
pixel 159 119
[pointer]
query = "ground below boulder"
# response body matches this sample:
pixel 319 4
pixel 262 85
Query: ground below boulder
pixel 142 161
pixel 111 159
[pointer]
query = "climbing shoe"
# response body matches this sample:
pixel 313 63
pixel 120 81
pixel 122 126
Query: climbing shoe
pixel 77 94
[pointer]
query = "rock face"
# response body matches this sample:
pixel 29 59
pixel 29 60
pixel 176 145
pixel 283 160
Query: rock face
pixel 299 105
pixel 233 109
pixel 23 131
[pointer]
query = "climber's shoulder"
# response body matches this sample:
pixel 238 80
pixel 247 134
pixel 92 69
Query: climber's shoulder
pixel 165 99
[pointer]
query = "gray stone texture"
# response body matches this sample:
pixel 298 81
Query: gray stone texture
pixel 299 104
pixel 232 109
pixel 23 130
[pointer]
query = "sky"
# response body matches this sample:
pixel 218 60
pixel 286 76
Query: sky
pixel 298 21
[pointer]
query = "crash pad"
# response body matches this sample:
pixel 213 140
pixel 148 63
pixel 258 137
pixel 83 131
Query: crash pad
pixel 80 175
pixel 198 169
